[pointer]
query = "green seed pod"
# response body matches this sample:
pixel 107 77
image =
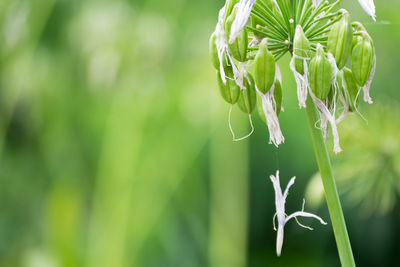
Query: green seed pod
pixel 248 97
pixel 230 91
pixel 238 48
pixel 301 49
pixel 264 68
pixel 350 89
pixel 260 109
pixel 357 26
pixel 320 74
pixel 363 60
pixel 278 96
pixel 340 40
pixel 213 51
pixel 356 40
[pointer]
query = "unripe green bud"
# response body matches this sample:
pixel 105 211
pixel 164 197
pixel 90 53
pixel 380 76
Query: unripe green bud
pixel 320 74
pixel 260 109
pixel 214 51
pixel 350 89
pixel 357 26
pixel 356 40
pixel 238 48
pixel 230 91
pixel 278 96
pixel 301 49
pixel 248 97
pixel 264 68
pixel 363 60
pixel 340 40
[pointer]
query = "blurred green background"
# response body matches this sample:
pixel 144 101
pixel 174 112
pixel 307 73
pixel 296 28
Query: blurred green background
pixel 115 148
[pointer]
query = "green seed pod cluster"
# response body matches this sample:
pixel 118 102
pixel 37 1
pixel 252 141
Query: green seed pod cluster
pixel 340 39
pixel 301 49
pixel 320 74
pixel 264 68
pixel 332 58
pixel 363 59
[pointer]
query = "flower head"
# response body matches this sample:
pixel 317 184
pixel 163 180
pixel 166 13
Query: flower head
pixel 280 200
pixel 323 44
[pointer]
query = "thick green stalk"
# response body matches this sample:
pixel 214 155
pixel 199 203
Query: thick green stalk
pixel 331 194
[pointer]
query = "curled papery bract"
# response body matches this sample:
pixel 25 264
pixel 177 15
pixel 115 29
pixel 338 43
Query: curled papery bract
pixel 244 8
pixel 369 8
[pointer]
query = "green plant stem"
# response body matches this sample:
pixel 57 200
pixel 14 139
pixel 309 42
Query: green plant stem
pixel 331 194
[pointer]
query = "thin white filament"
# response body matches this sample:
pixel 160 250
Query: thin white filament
pixel 231 129
pixel 355 106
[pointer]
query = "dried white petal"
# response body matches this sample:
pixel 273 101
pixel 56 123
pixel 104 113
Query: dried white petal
pixel 269 108
pixel 244 8
pixel 280 211
pixel 326 115
pixel 369 8
pixel 301 80
pixel 223 51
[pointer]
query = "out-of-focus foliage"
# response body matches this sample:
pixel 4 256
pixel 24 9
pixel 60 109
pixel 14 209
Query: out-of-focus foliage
pixel 368 172
pixel 115 148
